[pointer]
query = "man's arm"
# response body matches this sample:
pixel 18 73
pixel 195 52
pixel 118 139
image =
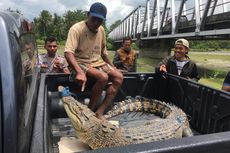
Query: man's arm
pixel 226 88
pixel 80 76
pixel 226 84
pixel 116 60
pixel 162 65
pixel 105 57
pixel 65 66
pixel 194 74
pixel 66 70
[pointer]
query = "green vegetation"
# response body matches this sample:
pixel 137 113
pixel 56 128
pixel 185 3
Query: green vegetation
pixel 47 24
pixel 215 66
pixel 207 54
pixel 210 45
pixel 212 60
pixel 146 64
pixel 213 77
pixel 212 82
pixel 202 52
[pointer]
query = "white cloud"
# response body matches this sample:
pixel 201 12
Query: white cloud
pixel 117 9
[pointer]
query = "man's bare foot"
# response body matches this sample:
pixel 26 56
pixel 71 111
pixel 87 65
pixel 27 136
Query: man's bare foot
pixel 101 117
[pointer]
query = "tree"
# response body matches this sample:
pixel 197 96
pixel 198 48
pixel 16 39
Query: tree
pixel 46 24
pixel 71 17
pixel 58 27
pixel 43 22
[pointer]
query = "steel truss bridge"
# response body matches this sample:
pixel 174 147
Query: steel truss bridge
pixel 162 19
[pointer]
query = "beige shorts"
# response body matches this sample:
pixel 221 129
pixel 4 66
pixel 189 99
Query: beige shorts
pixel 104 68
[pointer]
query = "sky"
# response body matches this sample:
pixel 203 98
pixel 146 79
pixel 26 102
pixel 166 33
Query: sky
pixel 117 9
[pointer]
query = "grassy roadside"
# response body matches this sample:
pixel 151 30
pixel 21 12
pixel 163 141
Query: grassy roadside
pixel 217 62
pixel 212 82
pixel 212 60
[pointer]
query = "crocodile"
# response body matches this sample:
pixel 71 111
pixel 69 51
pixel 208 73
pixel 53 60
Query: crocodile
pixel 101 133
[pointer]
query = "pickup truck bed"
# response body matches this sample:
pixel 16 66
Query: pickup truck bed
pixel 208 109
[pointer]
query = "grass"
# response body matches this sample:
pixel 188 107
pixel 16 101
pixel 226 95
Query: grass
pixel 219 62
pixel 212 60
pixel 212 82
pixel 216 61
pixel 146 64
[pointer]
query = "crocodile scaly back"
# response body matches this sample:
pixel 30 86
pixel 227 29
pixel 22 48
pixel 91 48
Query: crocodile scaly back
pixel 99 134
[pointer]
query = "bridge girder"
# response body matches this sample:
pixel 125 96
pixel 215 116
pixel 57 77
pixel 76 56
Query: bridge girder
pixel 192 19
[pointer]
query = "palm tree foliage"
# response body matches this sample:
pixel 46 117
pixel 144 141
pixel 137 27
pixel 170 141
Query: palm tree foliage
pixel 47 24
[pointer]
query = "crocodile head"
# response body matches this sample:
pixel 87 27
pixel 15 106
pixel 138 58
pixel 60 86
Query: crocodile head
pixel 80 115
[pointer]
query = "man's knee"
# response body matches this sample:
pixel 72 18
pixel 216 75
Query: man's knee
pixel 103 79
pixel 119 79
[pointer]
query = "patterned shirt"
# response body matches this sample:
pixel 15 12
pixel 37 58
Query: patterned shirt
pixel 57 64
pixel 125 60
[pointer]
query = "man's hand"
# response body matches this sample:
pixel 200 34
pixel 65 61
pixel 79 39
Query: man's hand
pixel 81 78
pixel 163 68
pixel 58 64
pixel 44 66
pixel 57 61
pixel 123 71
pixel 66 70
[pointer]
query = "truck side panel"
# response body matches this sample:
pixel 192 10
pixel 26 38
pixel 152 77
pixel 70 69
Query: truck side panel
pixel 207 108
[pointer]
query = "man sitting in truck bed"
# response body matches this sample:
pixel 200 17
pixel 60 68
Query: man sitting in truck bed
pixel 51 61
pixel 86 52
pixel 179 63
pixel 125 57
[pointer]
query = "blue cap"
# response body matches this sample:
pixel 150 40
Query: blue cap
pixel 98 10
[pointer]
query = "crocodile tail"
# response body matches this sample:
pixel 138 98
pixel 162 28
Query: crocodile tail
pixel 140 104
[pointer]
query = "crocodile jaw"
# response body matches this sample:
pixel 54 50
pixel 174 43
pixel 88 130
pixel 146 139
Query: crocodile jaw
pixel 80 115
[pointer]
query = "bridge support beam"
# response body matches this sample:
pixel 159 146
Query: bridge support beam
pixel 156 48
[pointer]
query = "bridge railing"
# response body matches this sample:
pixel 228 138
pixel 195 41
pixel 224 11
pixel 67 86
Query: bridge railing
pixel 175 18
